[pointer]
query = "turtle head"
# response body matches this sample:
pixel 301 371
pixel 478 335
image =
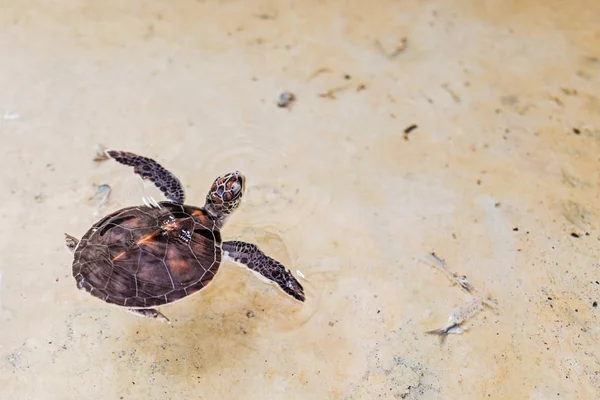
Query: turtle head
pixel 225 195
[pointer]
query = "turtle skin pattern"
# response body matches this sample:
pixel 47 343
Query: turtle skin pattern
pixel 141 257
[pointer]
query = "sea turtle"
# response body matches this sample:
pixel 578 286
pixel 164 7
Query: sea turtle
pixel 142 257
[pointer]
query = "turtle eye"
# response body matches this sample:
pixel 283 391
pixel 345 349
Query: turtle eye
pixel 236 187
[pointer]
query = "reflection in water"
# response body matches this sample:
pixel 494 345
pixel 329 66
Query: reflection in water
pixel 285 197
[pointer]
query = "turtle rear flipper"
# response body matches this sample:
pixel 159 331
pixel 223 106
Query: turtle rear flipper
pixel 147 168
pixel 251 257
pixel 149 313
pixel 71 242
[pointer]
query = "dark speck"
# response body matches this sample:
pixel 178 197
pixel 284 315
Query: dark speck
pixel 378 311
pixel 515 229
pixel 576 131
pixel 346 77
pixel 549 298
pixel 285 99
pixel 575 235
pixel 410 128
pixel 595 304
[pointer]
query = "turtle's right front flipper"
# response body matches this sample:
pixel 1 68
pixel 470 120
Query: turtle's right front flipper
pixel 147 168
pixel 250 256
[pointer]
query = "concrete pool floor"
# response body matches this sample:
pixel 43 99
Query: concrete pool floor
pixel 499 178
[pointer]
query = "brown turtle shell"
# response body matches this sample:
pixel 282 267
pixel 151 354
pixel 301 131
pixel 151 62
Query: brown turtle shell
pixel 141 257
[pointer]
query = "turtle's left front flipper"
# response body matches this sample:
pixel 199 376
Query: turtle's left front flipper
pixel 149 169
pixel 250 256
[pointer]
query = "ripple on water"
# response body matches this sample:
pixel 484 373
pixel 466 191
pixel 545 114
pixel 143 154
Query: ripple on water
pixel 279 200
pixel 277 192
pixel 275 243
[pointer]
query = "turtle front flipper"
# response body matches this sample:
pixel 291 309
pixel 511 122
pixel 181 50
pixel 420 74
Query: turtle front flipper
pixel 71 242
pixel 251 257
pixel 147 168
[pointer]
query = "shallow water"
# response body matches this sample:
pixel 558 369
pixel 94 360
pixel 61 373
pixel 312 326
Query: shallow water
pixel 500 179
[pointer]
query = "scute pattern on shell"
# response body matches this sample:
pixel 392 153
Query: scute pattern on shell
pixel 145 257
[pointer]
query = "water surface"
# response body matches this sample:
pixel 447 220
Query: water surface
pixel 499 179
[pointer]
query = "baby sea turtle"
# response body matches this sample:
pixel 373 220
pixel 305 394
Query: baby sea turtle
pixel 142 257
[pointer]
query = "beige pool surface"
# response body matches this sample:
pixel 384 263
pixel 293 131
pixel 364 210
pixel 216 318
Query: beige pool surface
pixel 499 178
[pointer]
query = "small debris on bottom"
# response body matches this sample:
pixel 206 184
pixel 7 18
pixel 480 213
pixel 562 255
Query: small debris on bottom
pixel 286 99
pixel 452 93
pixel 391 50
pixel 38 197
pixel 330 93
pixel 318 72
pixel 100 153
pixel 460 280
pixel 569 91
pixel 100 198
pixel 463 314
pixel 410 128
